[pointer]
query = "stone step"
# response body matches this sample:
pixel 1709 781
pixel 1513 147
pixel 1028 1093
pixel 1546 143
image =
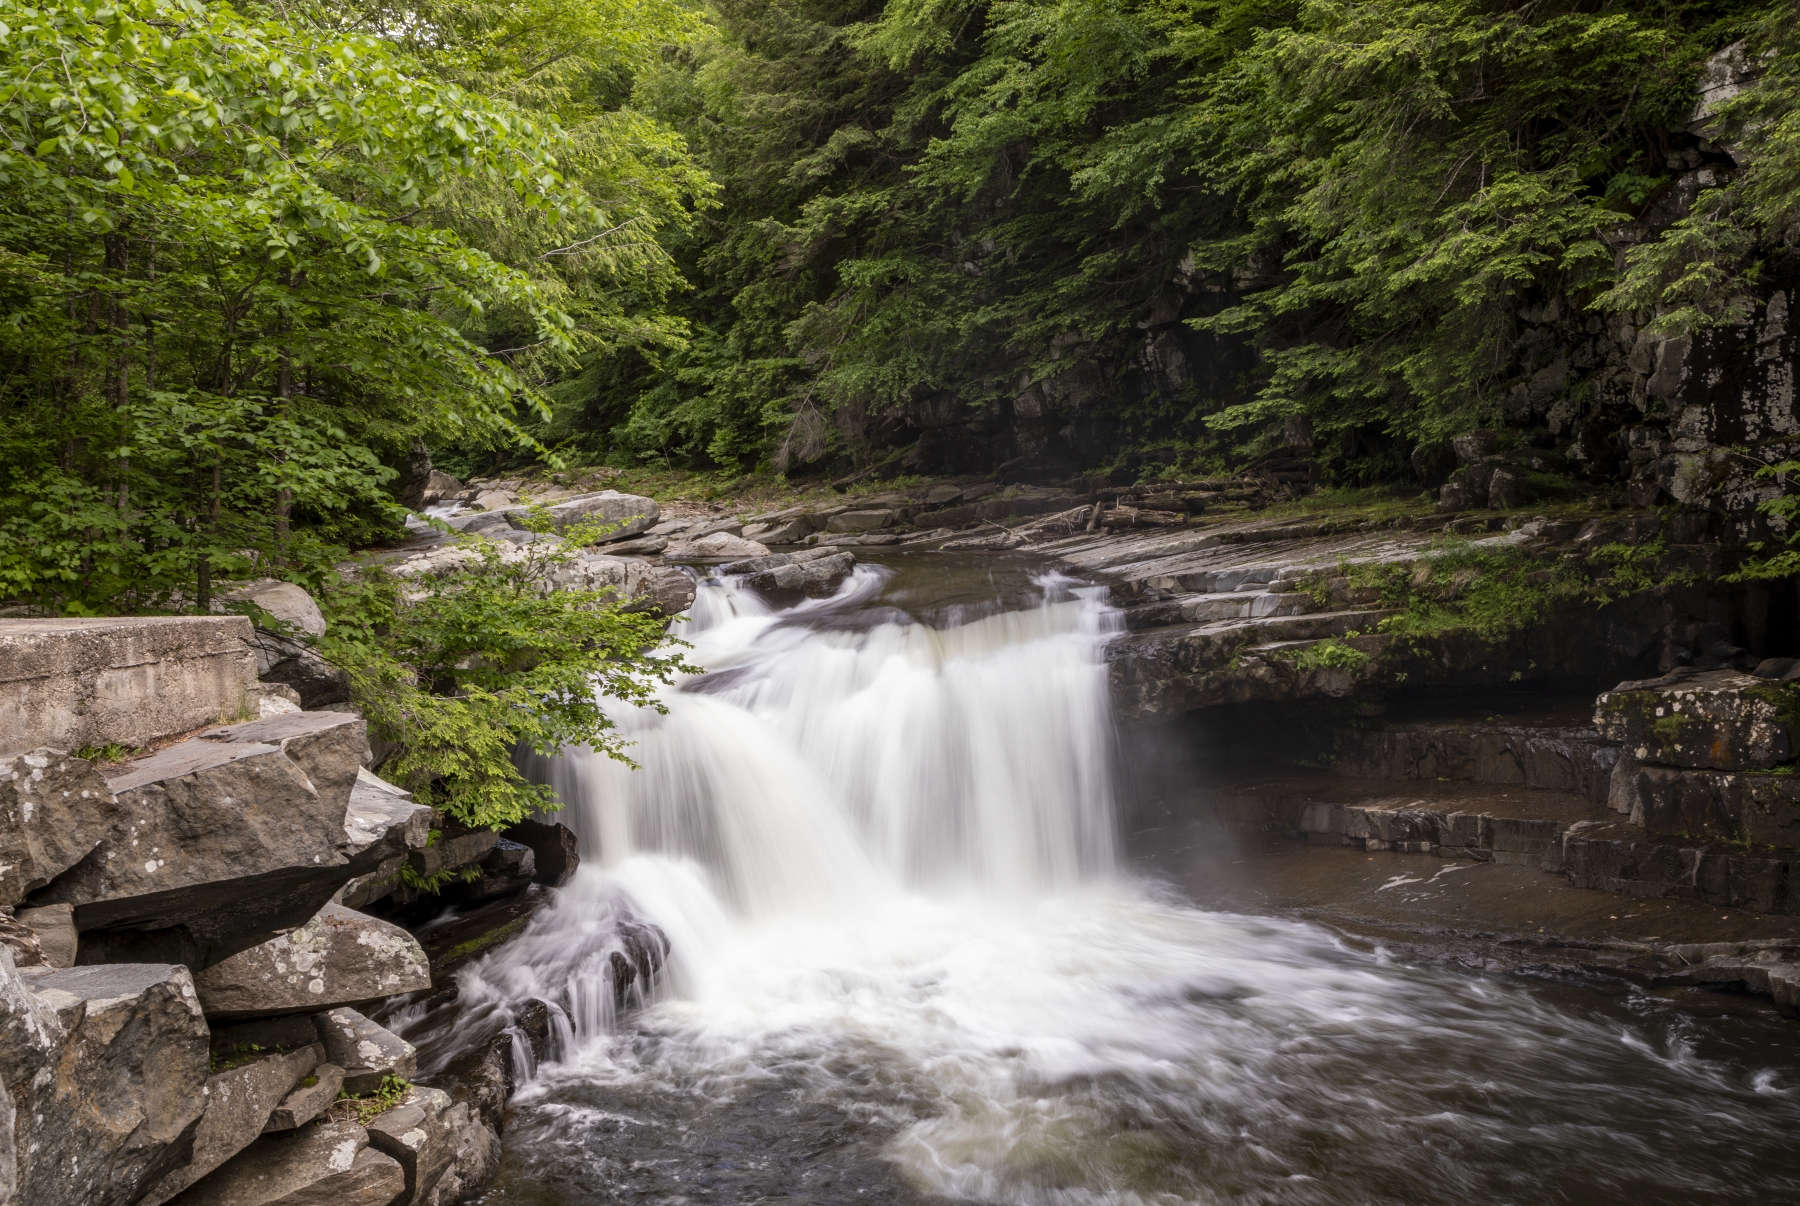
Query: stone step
pixel 1617 856
pixel 1555 757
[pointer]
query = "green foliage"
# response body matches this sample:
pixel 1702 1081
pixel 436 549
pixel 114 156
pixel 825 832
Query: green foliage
pixel 459 670
pixel 112 751
pixel 365 1108
pixel 247 260
pixel 1331 654
pixel 930 208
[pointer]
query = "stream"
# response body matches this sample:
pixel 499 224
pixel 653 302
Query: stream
pixel 909 964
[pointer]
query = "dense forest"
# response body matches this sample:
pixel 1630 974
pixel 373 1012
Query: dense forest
pixel 253 257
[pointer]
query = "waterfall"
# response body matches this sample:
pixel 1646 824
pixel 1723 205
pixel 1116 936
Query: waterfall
pixel 906 964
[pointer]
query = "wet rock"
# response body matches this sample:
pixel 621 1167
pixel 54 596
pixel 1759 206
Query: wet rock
pixel 69 683
pixel 556 851
pixel 422 1134
pixel 55 809
pixel 108 1066
pixel 53 926
pixel 508 869
pixel 340 957
pixel 1557 759
pixel 717 546
pixel 329 1164
pixel 1719 719
pixel 786 578
pixel 640 585
pixel 1713 806
pixel 239 1100
pixel 472 934
pixel 216 846
pixel 1619 857
pixel 476 1159
pixel 366 1052
pixel 307 1100
pixel 284 601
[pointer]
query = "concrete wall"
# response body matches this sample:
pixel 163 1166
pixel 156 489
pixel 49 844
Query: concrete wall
pixel 70 683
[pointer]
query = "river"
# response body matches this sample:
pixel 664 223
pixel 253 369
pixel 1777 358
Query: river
pixel 909 964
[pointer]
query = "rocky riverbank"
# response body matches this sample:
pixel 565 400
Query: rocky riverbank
pixel 191 956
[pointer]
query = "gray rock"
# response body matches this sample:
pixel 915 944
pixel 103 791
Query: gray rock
pixel 640 585
pixel 111 1063
pixel 21 940
pixel 476 1160
pixel 286 661
pixel 9 1166
pixel 439 487
pixel 331 747
pixel 238 1102
pixel 383 825
pixel 76 682
pixel 716 546
pixel 307 1100
pixel 509 868
pixel 1719 719
pixel 367 1053
pixel 54 928
pixel 1713 806
pixel 638 546
pixel 329 1164
pixel 283 600
pixel 861 521
pixel 216 846
pixel 340 957
pixel 54 810
pixel 786 578
pixel 631 513
pixel 422 1133
pixel 785 531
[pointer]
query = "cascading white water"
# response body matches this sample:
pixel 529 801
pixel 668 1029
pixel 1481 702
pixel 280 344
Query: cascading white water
pixel 884 855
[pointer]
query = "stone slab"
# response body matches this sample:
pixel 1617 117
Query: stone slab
pixel 70 683
pixel 307 1100
pixel 366 1052
pixel 238 1102
pixel 329 1164
pixel 1716 719
pixel 55 809
pixel 339 957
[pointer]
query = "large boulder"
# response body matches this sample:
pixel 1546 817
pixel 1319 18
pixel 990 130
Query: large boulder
pixel 327 1164
pixel 72 682
pixel 717 546
pixel 861 521
pixel 55 809
pixel 367 1053
pixel 289 604
pixel 1717 719
pixel 1711 806
pixel 239 1099
pixel 215 847
pixel 331 747
pixel 340 957
pixel 109 1067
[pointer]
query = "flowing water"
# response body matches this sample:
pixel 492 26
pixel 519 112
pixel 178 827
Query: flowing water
pixel 907 966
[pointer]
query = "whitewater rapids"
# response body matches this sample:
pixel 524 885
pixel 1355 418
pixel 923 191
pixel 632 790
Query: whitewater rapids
pixel 907 965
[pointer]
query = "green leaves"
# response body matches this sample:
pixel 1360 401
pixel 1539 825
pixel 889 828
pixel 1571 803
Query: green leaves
pixel 459 671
